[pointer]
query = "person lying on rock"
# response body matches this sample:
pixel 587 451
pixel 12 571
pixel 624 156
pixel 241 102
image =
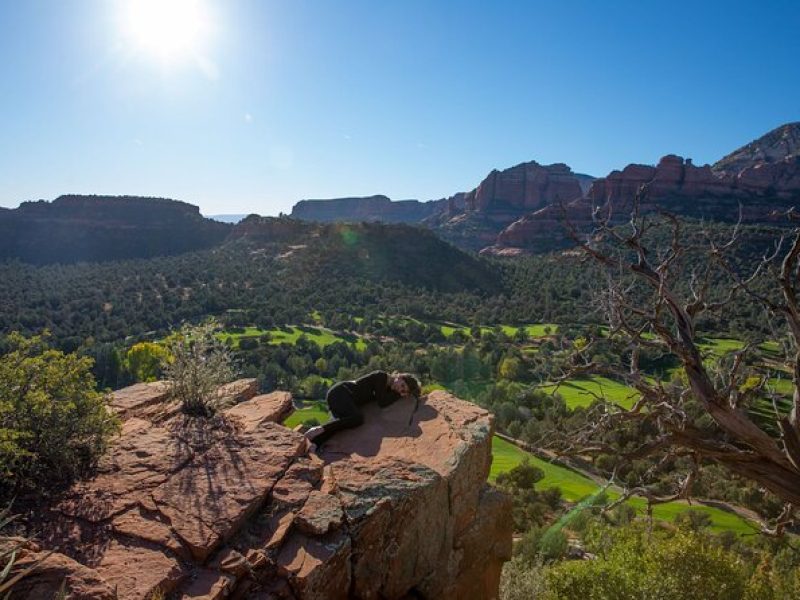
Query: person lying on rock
pixel 346 398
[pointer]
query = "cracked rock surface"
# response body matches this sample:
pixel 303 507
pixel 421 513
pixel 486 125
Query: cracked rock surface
pixel 230 507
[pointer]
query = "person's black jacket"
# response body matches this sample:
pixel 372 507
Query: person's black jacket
pixel 373 387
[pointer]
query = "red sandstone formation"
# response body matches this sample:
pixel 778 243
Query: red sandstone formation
pixel 672 177
pixel 763 176
pixel 473 220
pixel 772 147
pixel 769 164
pixel 527 186
pixel 230 507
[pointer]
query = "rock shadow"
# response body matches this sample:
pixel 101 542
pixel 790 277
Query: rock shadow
pixel 390 423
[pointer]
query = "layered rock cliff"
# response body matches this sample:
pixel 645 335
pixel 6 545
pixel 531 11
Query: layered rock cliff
pixel 231 507
pixel 477 217
pixel 778 148
pixel 673 177
pixel 101 228
pixel 369 208
pixel 526 186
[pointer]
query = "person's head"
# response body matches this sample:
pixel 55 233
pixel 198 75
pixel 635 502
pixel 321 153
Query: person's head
pixel 405 384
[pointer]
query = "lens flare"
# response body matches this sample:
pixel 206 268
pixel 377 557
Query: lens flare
pixel 166 29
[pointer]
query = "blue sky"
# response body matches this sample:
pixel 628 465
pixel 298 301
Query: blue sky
pixel 416 99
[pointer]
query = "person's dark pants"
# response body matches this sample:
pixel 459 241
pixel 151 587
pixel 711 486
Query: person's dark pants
pixel 345 411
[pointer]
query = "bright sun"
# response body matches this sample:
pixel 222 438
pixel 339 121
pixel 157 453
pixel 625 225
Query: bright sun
pixel 167 29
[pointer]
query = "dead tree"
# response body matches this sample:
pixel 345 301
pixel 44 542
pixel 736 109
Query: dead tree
pixel 647 307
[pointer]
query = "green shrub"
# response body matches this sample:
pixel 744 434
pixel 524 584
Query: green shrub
pixel 54 425
pixel 685 566
pixel 526 549
pixel 198 364
pixel 248 343
pixel 553 545
pixel 143 360
pixel 521 580
pixel 693 520
pixel 529 506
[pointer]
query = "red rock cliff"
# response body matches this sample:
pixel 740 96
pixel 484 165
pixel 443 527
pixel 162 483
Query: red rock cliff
pixel 527 186
pixel 230 507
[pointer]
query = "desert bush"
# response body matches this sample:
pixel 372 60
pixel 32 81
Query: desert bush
pixel 685 566
pixel 143 360
pixel 248 343
pixel 199 363
pixel 530 507
pixel 693 520
pixel 54 425
pixel 522 580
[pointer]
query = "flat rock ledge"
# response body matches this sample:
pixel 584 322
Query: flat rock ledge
pixel 231 507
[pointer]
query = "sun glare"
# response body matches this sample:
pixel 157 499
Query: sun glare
pixel 167 29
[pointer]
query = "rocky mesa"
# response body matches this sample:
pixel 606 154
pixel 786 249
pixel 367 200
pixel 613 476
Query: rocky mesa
pixel 77 228
pixel 368 208
pixel 231 507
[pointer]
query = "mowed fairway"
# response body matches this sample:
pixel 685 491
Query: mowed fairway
pixel 506 456
pixel 574 486
pixel 534 330
pixel 585 390
pixel 289 335
pixel 719 346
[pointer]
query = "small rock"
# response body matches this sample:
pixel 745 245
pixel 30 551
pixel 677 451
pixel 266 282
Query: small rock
pixel 320 514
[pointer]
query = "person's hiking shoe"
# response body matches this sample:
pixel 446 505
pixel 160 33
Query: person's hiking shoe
pixel 313 432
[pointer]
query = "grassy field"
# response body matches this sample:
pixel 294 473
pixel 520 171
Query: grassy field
pixel 574 486
pixel 581 391
pixel 534 330
pixel 319 335
pixel 783 386
pixel 770 347
pixel 719 346
pixel 506 456
pixel 316 411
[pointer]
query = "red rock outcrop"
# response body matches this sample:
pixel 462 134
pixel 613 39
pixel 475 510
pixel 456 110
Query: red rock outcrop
pixel 672 177
pixel 773 147
pixel 763 176
pixel 763 190
pixel 780 179
pixel 473 220
pixel 231 507
pixel 526 186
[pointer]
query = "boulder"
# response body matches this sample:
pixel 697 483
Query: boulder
pixel 54 571
pixel 237 391
pixel 150 401
pixel 138 399
pixel 273 407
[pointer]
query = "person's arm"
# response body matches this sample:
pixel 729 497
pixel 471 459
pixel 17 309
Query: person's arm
pixel 378 382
